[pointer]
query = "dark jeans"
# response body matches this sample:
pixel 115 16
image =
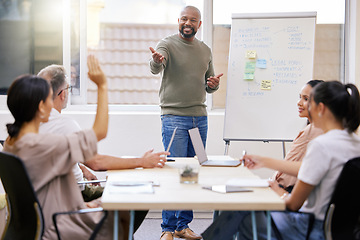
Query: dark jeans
pixel 291 226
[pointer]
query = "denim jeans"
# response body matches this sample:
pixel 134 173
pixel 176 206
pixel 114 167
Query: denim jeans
pixel 181 147
pixel 292 226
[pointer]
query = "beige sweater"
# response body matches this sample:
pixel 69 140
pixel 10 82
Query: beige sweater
pixel 297 152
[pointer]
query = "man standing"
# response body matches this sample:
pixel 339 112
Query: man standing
pixel 187 74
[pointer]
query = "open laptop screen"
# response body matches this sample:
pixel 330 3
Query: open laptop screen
pixel 198 145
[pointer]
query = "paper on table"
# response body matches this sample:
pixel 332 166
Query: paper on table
pixel 123 187
pixel 134 183
pixel 226 189
pixel 248 182
pixel 91 181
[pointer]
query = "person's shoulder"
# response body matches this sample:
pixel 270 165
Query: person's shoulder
pixel 312 132
pixel 46 138
pixel 202 44
pixel 68 119
pixel 169 39
pixel 68 124
pixel 42 142
pixel 166 43
pixel 60 125
pixel 335 137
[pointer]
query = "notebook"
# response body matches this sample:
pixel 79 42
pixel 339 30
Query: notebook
pixel 201 154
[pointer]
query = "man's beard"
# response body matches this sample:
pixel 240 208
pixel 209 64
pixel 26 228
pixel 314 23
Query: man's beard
pixel 187 35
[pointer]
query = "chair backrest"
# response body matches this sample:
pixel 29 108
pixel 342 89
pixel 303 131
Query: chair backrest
pixel 344 207
pixel 25 214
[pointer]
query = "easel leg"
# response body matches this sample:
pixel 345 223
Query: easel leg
pixel 284 151
pixel 227 145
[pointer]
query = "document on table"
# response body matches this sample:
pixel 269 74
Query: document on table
pixel 248 182
pixel 130 187
pixel 226 189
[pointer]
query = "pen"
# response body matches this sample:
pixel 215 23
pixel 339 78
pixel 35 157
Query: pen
pixel 243 160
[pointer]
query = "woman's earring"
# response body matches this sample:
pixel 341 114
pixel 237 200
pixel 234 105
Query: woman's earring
pixel 42 116
pixel 319 114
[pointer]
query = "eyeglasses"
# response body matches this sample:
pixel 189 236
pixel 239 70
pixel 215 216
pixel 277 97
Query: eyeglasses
pixel 68 87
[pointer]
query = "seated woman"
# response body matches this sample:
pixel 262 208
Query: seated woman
pixel 49 158
pixel 335 108
pixel 299 145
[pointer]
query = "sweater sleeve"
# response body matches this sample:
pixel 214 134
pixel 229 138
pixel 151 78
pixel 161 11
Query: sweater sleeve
pixel 210 73
pixel 161 48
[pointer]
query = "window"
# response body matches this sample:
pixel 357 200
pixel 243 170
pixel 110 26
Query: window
pixel 29 41
pixel 120 33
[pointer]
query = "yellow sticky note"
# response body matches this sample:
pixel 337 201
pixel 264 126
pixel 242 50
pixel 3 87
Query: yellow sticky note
pixel 249 76
pixel 265 84
pixel 250 54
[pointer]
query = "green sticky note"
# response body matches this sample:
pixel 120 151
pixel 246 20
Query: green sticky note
pixel 250 67
pixel 249 76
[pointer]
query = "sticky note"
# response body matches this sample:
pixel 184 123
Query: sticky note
pixel 248 76
pixel 261 63
pixel 250 54
pixel 250 67
pixel 265 84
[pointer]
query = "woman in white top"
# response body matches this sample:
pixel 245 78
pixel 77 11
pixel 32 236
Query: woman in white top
pixel 298 147
pixel 335 108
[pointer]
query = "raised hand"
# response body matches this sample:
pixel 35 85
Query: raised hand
pixel 157 57
pixel 95 72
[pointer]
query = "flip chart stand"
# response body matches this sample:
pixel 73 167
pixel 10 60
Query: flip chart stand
pixel 227 144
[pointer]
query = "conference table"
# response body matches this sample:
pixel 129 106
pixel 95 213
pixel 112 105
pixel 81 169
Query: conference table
pixel 166 192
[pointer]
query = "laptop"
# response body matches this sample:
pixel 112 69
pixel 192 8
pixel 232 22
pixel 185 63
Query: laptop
pixel 201 154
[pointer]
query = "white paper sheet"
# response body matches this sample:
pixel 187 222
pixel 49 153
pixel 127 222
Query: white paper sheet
pixel 248 182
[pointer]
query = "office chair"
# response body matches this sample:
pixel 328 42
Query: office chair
pixel 25 219
pixel 343 210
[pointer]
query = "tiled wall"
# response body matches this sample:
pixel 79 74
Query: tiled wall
pixel 124 54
